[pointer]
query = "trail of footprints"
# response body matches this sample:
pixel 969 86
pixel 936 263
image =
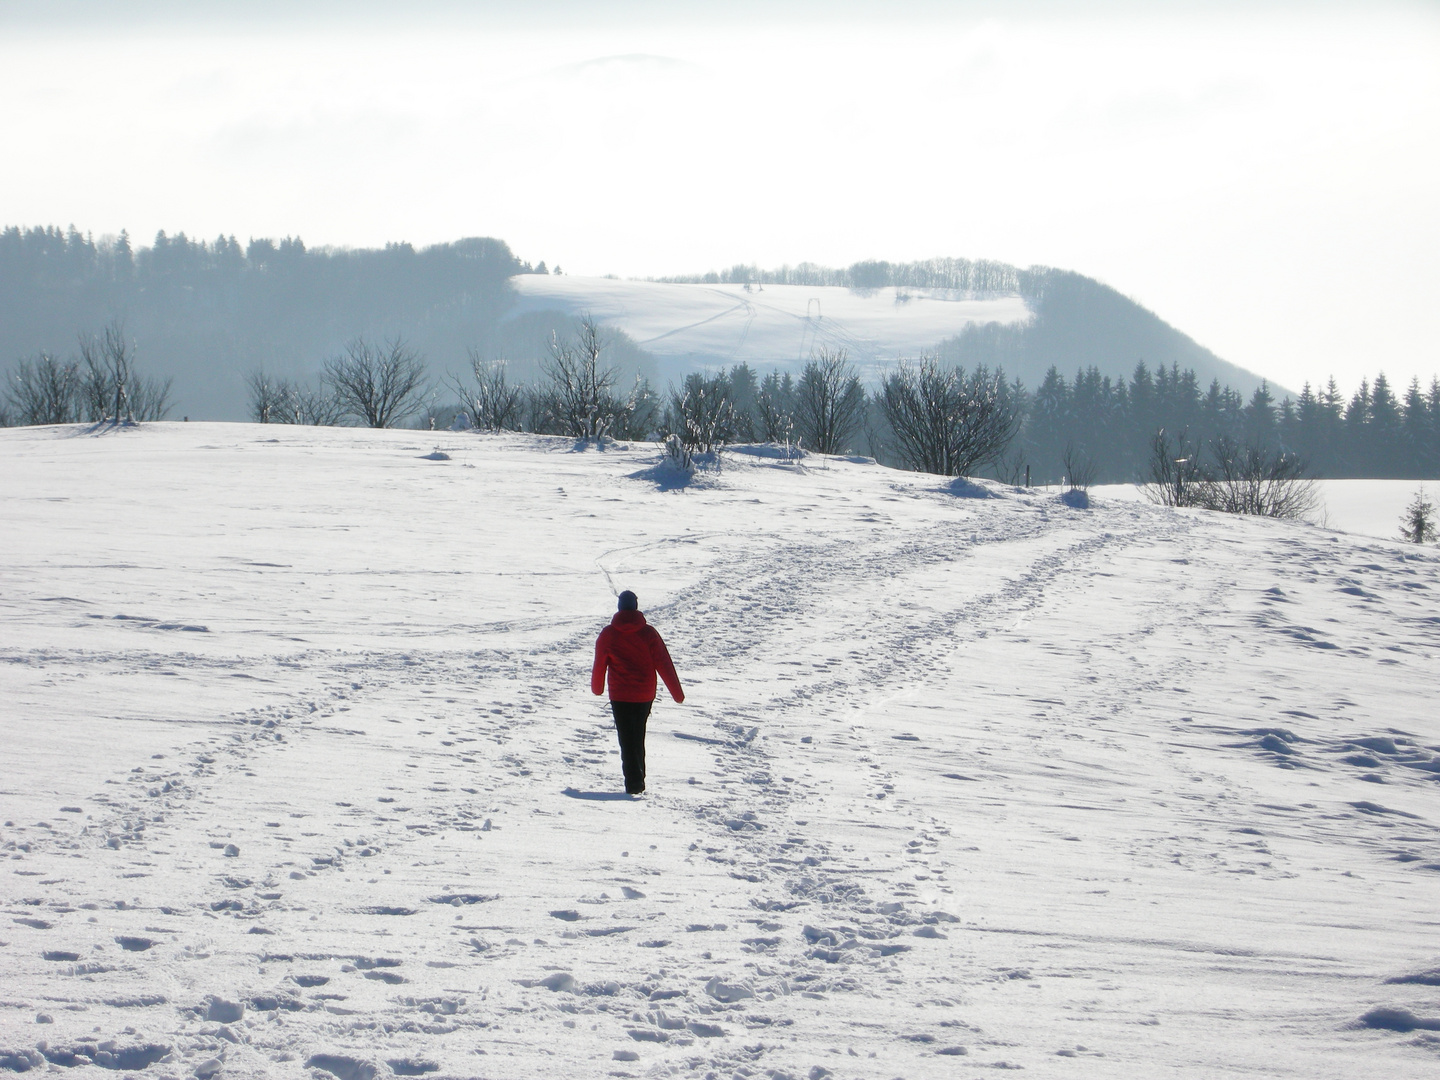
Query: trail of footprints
pixel 813 930
pixel 843 940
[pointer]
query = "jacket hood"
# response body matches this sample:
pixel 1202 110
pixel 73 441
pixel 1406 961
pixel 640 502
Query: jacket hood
pixel 629 621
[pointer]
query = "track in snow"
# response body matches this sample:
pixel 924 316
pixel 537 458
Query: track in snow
pixel 973 781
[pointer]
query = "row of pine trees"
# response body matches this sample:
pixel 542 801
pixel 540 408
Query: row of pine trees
pixel 1112 422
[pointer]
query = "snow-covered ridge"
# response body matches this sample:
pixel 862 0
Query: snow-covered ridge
pixel 302 776
pixel 771 325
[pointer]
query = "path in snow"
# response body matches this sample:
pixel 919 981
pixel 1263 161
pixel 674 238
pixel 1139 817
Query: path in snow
pixel 302 770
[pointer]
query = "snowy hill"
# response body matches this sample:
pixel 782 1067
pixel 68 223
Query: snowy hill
pixel 1066 320
pixel 685 326
pixel 302 776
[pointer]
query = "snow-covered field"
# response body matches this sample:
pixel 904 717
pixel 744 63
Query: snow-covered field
pixel 1365 507
pixel 769 326
pixel 302 776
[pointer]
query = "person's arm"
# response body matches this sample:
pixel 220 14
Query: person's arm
pixel 602 661
pixel 666 669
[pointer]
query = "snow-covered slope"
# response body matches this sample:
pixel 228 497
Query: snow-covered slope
pixel 301 771
pixel 767 326
pixel 1365 507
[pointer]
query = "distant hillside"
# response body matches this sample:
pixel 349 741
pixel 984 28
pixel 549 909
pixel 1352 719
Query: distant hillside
pixel 1077 322
pixel 206 313
pixel 1081 323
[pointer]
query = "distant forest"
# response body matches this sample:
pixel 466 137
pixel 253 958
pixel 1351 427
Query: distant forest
pixel 206 313
pixel 209 314
pixel 1374 433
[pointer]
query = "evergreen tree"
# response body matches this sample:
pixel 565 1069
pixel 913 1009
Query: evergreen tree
pixel 1415 431
pixel 1260 417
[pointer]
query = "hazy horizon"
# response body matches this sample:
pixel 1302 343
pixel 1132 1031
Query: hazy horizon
pixel 1261 179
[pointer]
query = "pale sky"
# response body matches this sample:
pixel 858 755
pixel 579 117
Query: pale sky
pixel 1266 177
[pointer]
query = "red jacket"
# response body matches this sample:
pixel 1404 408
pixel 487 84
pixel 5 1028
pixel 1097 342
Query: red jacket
pixel 632 653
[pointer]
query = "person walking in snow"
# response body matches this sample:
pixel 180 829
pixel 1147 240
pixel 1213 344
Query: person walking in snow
pixel 629 654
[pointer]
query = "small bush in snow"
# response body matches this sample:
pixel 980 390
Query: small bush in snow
pixel 1079 469
pixel 1239 479
pixel 678 454
pixel 1175 474
pixel 493 404
pixel 1417 526
pixel 702 414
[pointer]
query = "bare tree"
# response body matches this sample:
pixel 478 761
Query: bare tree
pixel 381 386
pixel 149 398
pixel 1012 469
pixel 829 402
pixel 268 398
pixel 320 407
pixel 45 391
pixel 579 392
pixel 493 404
pixel 945 422
pixel 109 387
pixel 702 413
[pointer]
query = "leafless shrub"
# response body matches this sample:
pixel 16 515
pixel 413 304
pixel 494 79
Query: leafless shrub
pixel 493 404
pixel 944 421
pixel 149 398
pixel 317 407
pixel 381 386
pixel 829 402
pixel 1079 468
pixel 1253 480
pixel 1012 469
pixel 1238 479
pixel 702 413
pixel 44 391
pixel 678 454
pixel 578 395
pixel 269 398
pixel 1176 477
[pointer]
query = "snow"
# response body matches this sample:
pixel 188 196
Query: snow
pixel 1363 507
pixel 302 772
pixel 769 326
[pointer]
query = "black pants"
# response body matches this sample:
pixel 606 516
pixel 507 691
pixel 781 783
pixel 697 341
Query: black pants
pixel 630 717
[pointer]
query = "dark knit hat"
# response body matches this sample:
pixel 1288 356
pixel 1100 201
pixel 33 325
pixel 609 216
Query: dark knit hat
pixel 629 601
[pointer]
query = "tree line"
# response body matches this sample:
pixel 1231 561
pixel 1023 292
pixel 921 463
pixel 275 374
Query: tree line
pixel 929 414
pixel 976 276
pixel 1372 433
pixel 205 311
